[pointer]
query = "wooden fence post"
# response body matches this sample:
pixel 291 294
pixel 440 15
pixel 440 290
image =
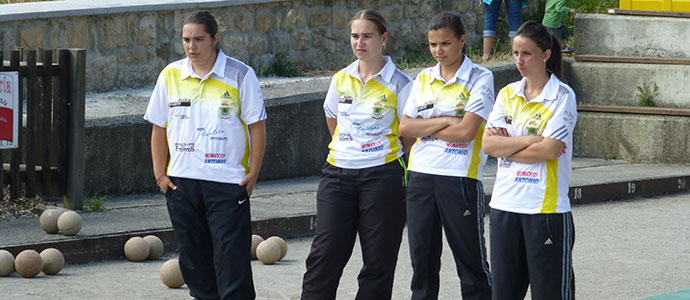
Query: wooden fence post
pixel 47 129
pixel 76 63
pixel 31 114
pixel 16 158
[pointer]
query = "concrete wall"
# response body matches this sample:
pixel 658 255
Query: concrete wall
pixel 635 138
pixel 118 158
pixel 127 46
pixel 632 35
pixel 616 84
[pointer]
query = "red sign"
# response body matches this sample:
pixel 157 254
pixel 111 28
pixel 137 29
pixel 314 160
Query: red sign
pixel 9 109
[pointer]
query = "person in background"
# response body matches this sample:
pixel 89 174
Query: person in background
pixel 553 21
pixel 492 9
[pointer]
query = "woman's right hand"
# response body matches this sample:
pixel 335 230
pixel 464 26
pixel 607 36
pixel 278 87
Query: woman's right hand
pixel 165 183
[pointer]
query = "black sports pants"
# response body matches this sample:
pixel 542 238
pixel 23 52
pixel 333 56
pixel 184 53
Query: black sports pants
pixel 213 227
pixel 456 204
pixel 532 250
pixel 367 201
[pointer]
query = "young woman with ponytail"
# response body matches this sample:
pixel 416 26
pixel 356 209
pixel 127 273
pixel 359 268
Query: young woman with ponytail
pixel 530 130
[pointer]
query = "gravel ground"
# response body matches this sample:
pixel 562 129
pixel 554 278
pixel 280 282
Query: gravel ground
pixel 624 250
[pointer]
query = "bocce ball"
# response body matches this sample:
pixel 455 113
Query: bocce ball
pixel 283 245
pixel 28 263
pixel 155 246
pixel 49 219
pixel 6 263
pixel 53 261
pixel 256 240
pixel 69 222
pixel 171 275
pixel 136 249
pixel 268 252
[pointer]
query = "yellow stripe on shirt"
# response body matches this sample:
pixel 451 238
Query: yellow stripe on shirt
pixel 551 191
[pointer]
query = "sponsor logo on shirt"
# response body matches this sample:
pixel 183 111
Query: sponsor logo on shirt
pixel 456 149
pixel 382 98
pixel 344 137
pixel 428 139
pixel 377 111
pixel 226 96
pixel 345 99
pixel 181 117
pixel 182 102
pixel 224 111
pixel 360 128
pixel 527 177
pixel 532 128
pixel 460 110
pixel 215 135
pixel 215 132
pixel 504 162
pixel 427 105
pixel 568 117
pixel 508 119
pixel 214 158
pixel 372 147
pixel 184 147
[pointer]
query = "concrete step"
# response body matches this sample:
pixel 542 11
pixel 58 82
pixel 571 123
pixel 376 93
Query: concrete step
pixel 635 138
pixel 619 35
pixel 288 208
pixel 616 83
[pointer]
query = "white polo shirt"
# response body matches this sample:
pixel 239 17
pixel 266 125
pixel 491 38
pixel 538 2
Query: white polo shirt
pixel 540 187
pixel 368 115
pixel 206 118
pixel 471 90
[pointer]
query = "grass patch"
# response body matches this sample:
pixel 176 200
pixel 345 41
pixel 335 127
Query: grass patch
pixel 417 56
pixel 95 203
pixel 283 66
pixel 646 94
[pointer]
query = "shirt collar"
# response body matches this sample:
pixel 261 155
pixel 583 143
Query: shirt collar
pixel 218 67
pixel 550 91
pixel 463 72
pixel 386 73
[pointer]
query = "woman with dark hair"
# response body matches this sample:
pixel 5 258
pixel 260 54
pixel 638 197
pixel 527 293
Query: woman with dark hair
pixel 448 106
pixel 361 188
pixel 531 132
pixel 208 115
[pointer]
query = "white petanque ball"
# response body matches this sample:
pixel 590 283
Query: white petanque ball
pixel 6 263
pixel 171 275
pixel 69 222
pixel 28 263
pixel 268 252
pixel 53 261
pixel 155 246
pixel 256 240
pixel 136 249
pixel 49 219
pixel 283 245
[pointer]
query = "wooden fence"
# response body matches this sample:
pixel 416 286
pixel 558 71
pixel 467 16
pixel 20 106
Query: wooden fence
pixel 50 157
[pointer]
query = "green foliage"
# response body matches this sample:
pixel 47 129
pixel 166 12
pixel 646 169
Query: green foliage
pixel 95 203
pixel 417 56
pixel 609 157
pixel 646 93
pixel 283 66
pixel 588 7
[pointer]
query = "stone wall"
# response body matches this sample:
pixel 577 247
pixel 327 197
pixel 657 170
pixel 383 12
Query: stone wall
pixel 127 47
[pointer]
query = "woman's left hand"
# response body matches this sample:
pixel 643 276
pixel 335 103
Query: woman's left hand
pixel 249 181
